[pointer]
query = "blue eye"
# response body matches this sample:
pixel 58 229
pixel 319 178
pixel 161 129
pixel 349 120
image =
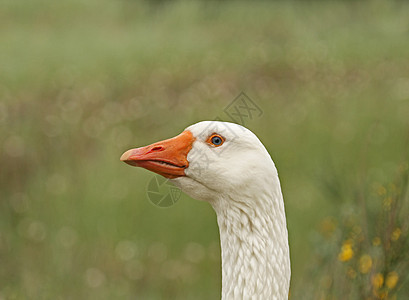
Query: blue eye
pixel 216 140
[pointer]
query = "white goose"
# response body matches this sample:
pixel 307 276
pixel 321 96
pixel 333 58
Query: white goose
pixel 226 165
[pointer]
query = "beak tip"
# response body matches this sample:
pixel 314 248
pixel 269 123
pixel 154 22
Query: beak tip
pixel 125 156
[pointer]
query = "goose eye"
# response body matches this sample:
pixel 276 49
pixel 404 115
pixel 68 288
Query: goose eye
pixel 215 140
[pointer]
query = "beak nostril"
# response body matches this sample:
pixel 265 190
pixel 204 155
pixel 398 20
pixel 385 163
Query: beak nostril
pixel 157 149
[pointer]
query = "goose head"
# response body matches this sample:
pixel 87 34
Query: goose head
pixel 209 160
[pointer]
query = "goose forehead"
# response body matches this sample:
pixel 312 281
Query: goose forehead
pixel 205 128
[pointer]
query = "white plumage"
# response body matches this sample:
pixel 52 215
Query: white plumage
pixel 239 179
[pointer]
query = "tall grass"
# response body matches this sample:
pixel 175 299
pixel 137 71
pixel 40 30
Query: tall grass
pixel 82 81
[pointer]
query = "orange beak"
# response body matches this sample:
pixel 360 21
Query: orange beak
pixel 167 158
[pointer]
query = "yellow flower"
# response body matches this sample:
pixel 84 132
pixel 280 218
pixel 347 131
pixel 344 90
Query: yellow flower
pixel 381 190
pixel 383 295
pixel 365 263
pixel 387 202
pixel 377 280
pixel 392 279
pixel 346 251
pixel 396 234
pixel 376 241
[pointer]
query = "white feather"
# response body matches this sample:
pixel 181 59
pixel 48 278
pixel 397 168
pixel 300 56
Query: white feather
pixel 239 179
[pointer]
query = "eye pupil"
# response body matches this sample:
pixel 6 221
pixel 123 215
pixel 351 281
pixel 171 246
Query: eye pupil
pixel 216 140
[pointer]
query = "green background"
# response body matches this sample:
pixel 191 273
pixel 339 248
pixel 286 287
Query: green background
pixel 83 81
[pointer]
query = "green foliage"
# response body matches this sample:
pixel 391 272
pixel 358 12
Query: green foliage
pixel 82 81
pixel 362 253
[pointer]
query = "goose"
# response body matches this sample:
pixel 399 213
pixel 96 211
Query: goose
pixel 226 165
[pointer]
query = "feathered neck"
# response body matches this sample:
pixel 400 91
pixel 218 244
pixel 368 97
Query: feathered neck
pixel 254 243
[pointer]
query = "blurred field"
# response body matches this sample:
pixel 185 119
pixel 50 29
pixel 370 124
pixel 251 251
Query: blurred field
pixel 82 81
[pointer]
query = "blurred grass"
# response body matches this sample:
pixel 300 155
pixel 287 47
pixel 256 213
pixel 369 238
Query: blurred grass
pixel 362 251
pixel 82 81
